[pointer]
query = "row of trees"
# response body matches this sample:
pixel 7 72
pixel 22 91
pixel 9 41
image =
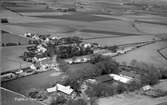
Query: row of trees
pixel 149 73
pixel 68 51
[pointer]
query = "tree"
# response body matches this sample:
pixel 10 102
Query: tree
pixel 37 94
pixel 108 65
pixel 95 58
pixel 76 78
pixel 149 73
pixel 60 100
pixel 3 44
pixel 77 102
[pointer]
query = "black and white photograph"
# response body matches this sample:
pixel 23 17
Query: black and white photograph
pixel 83 52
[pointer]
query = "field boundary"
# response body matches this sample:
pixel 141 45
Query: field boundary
pixel 159 51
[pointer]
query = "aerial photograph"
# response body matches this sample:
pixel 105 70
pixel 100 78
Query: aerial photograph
pixel 83 52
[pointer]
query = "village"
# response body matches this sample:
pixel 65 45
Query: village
pixel 45 50
pixel 45 53
pixel 83 52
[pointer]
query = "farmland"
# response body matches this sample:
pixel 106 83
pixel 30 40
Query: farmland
pixel 11 59
pixel 9 97
pixel 106 22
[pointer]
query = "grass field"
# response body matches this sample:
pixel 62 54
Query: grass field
pixel 146 54
pixel 77 17
pixel 12 38
pixel 40 81
pixel 131 99
pixel 120 40
pixel 164 52
pixel 10 58
pixel 10 98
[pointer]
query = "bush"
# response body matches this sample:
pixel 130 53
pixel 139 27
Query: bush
pixel 11 44
pixel 163 73
pixel 75 79
pixel 120 89
pixel 99 90
pixel 60 100
pixel 95 58
pixel 107 65
pixel 37 94
pixel 149 73
pixel 3 44
pixel 77 102
pixel 4 20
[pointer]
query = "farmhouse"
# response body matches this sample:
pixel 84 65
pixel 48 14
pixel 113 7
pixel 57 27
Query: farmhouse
pixel 65 89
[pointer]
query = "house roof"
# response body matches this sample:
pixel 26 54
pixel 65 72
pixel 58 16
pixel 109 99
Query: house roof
pixel 59 87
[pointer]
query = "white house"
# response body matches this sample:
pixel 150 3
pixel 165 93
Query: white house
pixel 65 89
pixel 52 89
pixel 121 78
